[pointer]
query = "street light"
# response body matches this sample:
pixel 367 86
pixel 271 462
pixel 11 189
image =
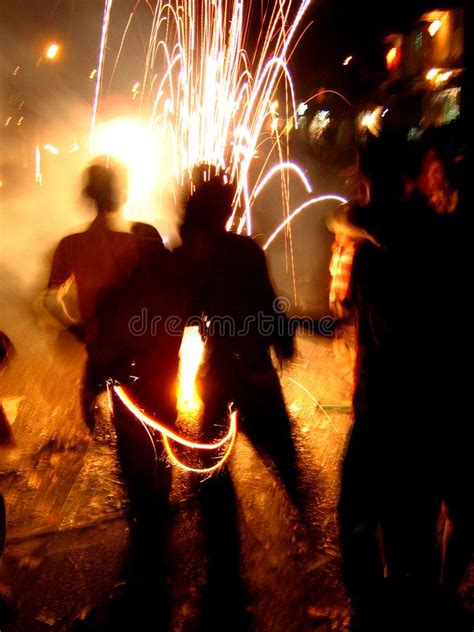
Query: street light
pixel 52 51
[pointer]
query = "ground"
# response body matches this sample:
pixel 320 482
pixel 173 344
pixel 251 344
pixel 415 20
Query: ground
pixel 67 526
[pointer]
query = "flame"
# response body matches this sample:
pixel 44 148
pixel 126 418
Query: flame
pixel 192 348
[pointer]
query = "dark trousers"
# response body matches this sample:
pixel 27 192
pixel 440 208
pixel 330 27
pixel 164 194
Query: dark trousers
pixel 147 475
pixel 252 384
pixel 389 504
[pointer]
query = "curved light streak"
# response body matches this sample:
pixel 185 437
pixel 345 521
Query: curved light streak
pixel 213 468
pixel 280 167
pixel 317 200
pixel 167 432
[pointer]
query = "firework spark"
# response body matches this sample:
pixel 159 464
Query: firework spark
pixel 208 98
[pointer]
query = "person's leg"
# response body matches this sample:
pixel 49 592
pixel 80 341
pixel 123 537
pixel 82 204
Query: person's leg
pixel 359 514
pixel 266 423
pixel 93 384
pixel 223 604
pixel 410 510
pixel 458 488
pixel 148 478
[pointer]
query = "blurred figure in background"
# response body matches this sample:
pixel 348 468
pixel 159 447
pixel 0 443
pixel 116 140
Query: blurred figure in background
pixel 347 237
pixel 435 185
pixel 407 452
pixel 86 265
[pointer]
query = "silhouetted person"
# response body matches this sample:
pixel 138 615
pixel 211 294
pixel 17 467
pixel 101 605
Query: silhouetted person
pixel 92 262
pixel 244 320
pixel 401 453
pixel 143 356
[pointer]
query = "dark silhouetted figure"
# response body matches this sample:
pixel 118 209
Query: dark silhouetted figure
pixel 146 361
pixel 408 440
pixel 243 321
pixel 142 355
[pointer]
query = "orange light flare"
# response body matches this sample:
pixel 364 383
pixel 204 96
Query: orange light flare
pixel 190 354
pixel 52 51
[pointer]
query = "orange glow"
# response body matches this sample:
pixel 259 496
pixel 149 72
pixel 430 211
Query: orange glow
pixel 52 51
pixel 392 57
pixel 190 353
pixel 347 60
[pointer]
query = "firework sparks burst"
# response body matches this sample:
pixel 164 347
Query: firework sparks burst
pixel 207 99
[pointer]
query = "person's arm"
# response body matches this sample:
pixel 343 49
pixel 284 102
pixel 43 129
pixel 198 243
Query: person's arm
pixel 61 274
pixel 61 267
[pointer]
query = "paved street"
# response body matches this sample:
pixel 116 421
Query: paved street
pixel 67 529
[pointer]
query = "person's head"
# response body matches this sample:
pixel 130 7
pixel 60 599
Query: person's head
pixel 433 174
pixel 105 184
pixel 382 164
pixel 208 208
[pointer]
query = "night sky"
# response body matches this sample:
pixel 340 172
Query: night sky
pixel 340 28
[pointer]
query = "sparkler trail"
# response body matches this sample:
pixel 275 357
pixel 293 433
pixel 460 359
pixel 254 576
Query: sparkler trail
pixel 221 460
pixel 313 398
pixel 169 435
pixel 100 68
pixel 165 430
